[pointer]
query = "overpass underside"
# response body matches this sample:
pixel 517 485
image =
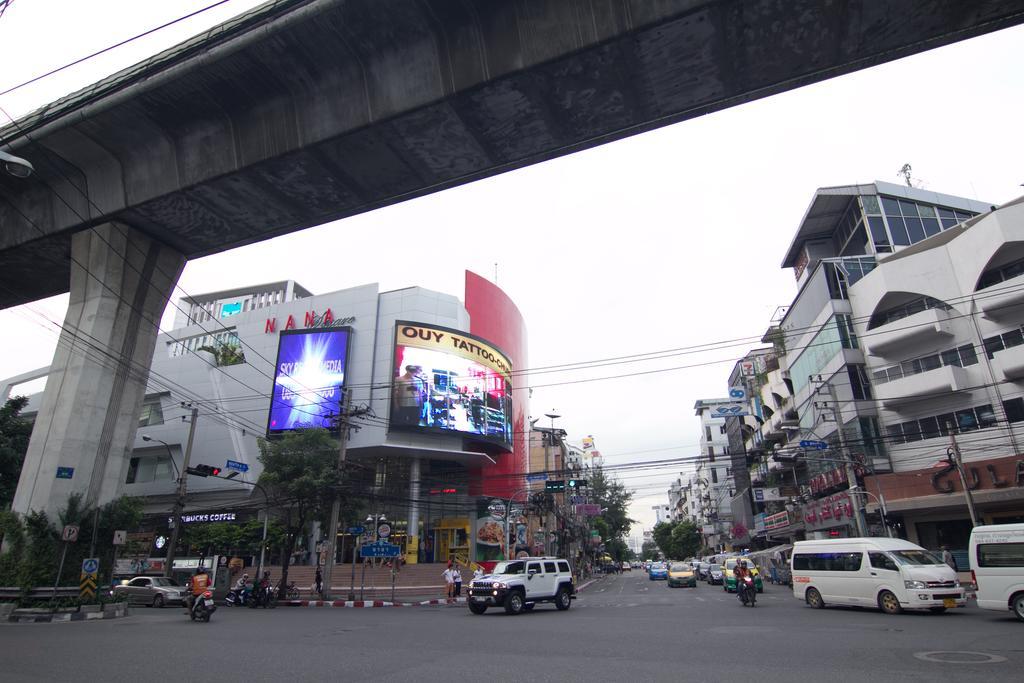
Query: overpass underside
pixel 302 112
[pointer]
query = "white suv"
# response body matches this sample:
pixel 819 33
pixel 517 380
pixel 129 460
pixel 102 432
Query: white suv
pixel 518 585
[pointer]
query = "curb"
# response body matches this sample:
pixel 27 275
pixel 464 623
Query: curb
pixel 64 617
pixel 363 604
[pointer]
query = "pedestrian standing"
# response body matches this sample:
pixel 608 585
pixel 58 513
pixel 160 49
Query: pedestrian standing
pixel 457 579
pixel 449 579
pixel 319 581
pixel 948 558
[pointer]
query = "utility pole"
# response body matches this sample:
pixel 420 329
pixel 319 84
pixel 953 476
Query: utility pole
pixel 179 502
pixel 955 457
pixel 549 518
pixel 851 475
pixel 332 526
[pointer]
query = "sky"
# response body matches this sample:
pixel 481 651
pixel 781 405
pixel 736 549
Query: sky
pixel 662 241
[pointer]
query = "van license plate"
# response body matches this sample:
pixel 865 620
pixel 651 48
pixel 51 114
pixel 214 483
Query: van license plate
pixel 209 602
pixel 949 602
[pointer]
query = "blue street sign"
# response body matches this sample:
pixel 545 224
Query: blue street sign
pixel 65 472
pixel 240 466
pixel 380 549
pixel 814 445
pixel 537 477
pixel 356 530
pixel 90 565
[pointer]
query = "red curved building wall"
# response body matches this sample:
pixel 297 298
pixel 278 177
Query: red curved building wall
pixel 496 318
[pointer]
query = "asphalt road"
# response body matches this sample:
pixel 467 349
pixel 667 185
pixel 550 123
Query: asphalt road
pixel 623 628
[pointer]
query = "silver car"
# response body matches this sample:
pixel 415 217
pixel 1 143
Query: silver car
pixel 151 590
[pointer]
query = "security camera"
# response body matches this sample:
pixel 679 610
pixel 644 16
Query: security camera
pixel 16 166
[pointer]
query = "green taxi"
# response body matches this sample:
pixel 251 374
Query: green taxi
pixel 729 576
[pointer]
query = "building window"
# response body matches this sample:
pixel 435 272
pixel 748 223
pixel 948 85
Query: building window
pixel 859 382
pixel 961 356
pixel 1014 409
pixel 967 420
pixel 994 276
pixel 707 432
pixel 711 454
pixel 844 323
pixel 910 222
pixel 145 469
pixel 1002 341
pixel 714 475
pixel 152 412
pixel 906 310
pixel 722 429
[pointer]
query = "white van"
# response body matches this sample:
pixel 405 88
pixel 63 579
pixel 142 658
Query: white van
pixel 887 573
pixel 997 566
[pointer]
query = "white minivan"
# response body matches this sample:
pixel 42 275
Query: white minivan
pixel 887 573
pixel 997 566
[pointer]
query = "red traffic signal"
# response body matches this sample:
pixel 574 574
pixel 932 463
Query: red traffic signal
pixel 204 471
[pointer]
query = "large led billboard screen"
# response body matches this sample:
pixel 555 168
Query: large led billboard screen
pixel 447 381
pixel 308 378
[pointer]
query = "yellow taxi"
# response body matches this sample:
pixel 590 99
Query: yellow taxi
pixel 681 574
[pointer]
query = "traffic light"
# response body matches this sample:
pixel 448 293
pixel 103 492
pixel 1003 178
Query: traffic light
pixel 557 485
pixel 577 483
pixel 204 470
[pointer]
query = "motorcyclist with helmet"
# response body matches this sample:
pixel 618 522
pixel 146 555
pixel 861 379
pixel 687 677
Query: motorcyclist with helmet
pixel 741 572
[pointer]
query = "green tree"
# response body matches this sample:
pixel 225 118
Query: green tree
pixel 649 551
pixel 300 472
pixel 225 354
pixel 685 540
pixel 15 432
pixel 614 500
pixel 663 538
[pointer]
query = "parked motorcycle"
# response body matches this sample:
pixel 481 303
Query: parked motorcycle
pixel 263 596
pixel 747 591
pixel 202 607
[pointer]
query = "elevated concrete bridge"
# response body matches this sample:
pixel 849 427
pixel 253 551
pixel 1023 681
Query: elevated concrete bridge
pixel 305 111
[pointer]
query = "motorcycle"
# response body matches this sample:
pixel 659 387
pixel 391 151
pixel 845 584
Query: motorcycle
pixel 202 607
pixel 747 592
pixel 240 597
pixel 263 596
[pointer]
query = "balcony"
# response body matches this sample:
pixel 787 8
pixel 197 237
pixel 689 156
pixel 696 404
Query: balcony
pixel 920 328
pixel 1009 362
pixel 917 387
pixel 1002 301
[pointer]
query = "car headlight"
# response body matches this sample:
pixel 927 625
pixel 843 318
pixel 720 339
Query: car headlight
pixel 915 585
pixel 956 583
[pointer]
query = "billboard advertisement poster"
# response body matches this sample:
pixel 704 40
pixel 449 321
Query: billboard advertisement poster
pixel 308 378
pixel 447 381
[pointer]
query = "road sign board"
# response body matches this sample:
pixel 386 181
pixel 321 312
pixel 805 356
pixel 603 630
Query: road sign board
pixel 90 565
pixel 380 549
pixel 730 410
pixel 814 445
pixel 87 582
pixel 234 465
pixel 540 476
pixel 65 472
pixel 383 530
pixel 356 530
pixel 120 536
pixel 70 533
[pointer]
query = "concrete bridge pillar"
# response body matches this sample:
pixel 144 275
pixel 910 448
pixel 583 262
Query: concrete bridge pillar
pixel 121 280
